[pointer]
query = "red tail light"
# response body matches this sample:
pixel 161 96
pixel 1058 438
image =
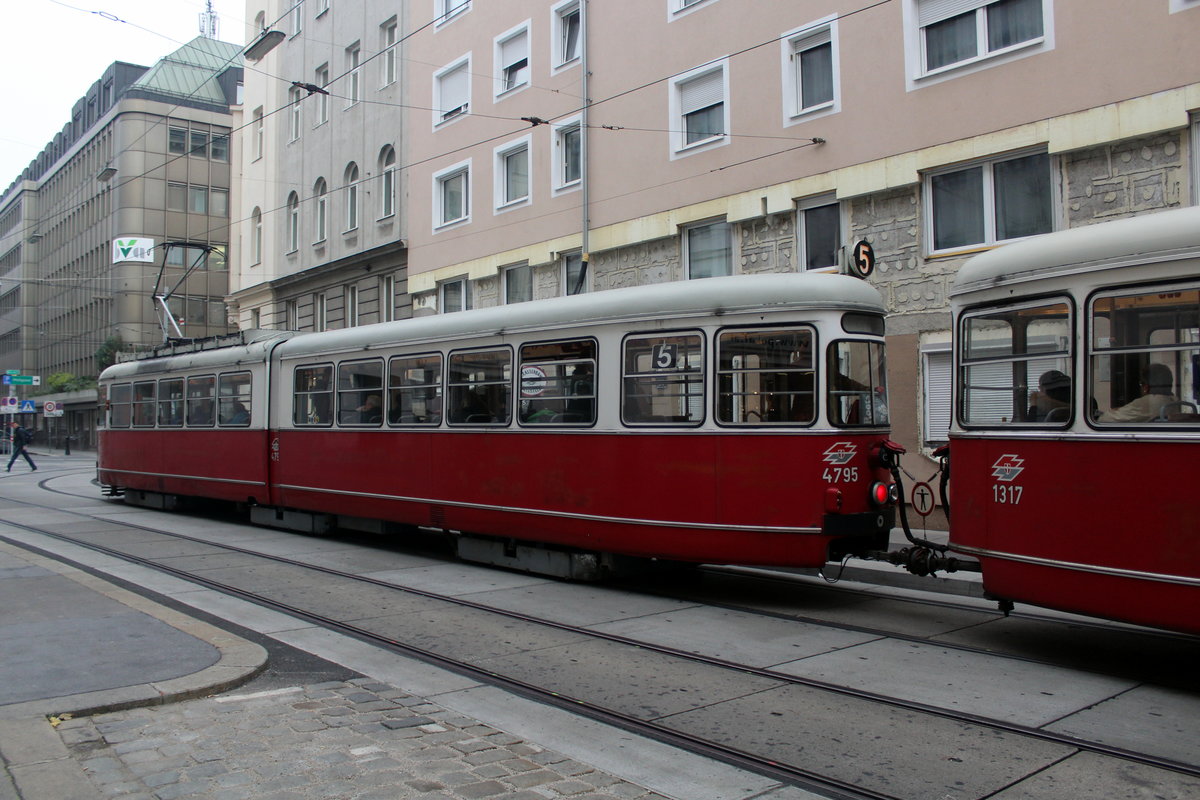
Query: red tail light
pixel 881 494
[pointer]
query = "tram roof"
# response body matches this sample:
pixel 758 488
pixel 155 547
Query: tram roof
pixel 665 301
pixel 1160 236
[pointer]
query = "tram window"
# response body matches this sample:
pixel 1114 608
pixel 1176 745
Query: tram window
pixel 558 383
pixel 200 401
pixel 1015 366
pixel 663 380
pixel 1145 356
pixel 360 392
pixel 766 377
pixel 312 395
pixel 863 323
pixel 170 403
pixel 143 404
pixel 119 406
pixel 415 390
pixel 480 387
pixel 233 395
pixel 857 378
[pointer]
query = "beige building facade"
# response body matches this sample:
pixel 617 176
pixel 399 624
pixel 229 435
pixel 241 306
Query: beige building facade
pixel 546 147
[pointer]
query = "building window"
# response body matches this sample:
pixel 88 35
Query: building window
pixel 218 202
pixel 388 62
pixel 451 8
pixel 291 315
pixel 707 250
pixel 220 148
pixel 198 199
pixel 258 134
pixel 320 312
pixel 701 111
pixel 321 78
pixel 293 205
pixel 256 240
pixel 568 154
pixel 512 60
pixel 957 32
pixel 819 228
pixel 452 296
pixel 567 33
pixel 575 274
pixel 321 209
pixel 351 197
pixel 989 202
pixel 387 298
pixel 294 116
pixel 512 174
pixel 198 144
pixel 452 189
pixel 177 141
pixel 350 301
pixel 518 284
pixel 452 91
pixel 322 7
pixel 937 378
pixel 387 169
pixel 177 197
pixel 297 17
pixel 354 73
pixel 810 69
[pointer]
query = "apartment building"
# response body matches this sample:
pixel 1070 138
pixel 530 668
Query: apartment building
pixel 556 146
pixel 321 205
pixel 84 230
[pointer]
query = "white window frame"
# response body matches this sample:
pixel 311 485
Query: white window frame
pixel 914 43
pixel 320 210
pixel 564 262
pixel 259 134
pixel 320 312
pixel 1195 144
pixel 444 114
pixel 291 315
pixel 686 250
pixel 353 74
pixel 387 298
pixel 558 35
pixel 297 14
pixel 294 116
pixel 677 122
pixel 1183 5
pixel 439 182
pixel 293 222
pixel 561 131
pixel 447 10
pixel 503 83
pixel 465 293
pixel 937 385
pixel 387 183
pixel 322 7
pixel 506 272
pixel 677 9
pixel 389 63
pixel 804 206
pixel 792 44
pixel 500 157
pixel 256 240
pixel 988 197
pixel 352 197
pixel 350 305
pixel 321 78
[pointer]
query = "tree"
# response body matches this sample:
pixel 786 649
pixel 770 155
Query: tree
pixel 106 356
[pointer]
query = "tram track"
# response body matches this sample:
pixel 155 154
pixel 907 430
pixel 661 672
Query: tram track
pixel 659 728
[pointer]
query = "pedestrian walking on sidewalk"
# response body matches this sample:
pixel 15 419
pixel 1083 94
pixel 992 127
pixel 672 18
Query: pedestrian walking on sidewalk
pixel 20 438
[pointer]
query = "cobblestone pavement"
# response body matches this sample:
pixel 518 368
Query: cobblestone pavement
pixel 359 740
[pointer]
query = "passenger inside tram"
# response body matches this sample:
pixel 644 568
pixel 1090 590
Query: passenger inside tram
pixel 1157 386
pixel 1052 400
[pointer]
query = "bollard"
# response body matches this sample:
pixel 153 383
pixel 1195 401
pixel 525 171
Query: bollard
pixel 67 447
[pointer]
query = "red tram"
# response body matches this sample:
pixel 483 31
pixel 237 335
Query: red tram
pixel 728 420
pixel 1077 391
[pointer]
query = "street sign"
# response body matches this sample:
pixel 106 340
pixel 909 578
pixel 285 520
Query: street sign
pixel 51 409
pixel 12 372
pixel 27 407
pixel 8 405
pixel 23 380
pixel 922 498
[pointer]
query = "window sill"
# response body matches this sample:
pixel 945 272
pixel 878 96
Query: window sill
pixel 979 61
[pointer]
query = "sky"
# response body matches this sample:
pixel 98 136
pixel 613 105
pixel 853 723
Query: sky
pixel 51 51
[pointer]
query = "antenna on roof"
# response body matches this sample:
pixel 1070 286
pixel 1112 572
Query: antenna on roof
pixel 209 23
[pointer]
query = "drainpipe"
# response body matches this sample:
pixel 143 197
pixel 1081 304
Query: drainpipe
pixel 584 135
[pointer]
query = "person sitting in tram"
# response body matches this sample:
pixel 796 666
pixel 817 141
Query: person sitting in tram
pixel 371 411
pixel 1157 390
pixel 1054 393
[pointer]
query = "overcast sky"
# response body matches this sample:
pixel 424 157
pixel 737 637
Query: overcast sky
pixel 53 50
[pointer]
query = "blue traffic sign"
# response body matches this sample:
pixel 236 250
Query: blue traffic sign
pixel 27 406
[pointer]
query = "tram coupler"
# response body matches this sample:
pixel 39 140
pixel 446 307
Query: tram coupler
pixel 924 561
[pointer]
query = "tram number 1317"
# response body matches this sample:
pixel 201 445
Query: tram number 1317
pixel 840 474
pixel 1007 494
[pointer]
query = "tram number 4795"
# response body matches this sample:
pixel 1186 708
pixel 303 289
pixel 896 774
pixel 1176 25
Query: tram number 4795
pixel 1007 494
pixel 840 474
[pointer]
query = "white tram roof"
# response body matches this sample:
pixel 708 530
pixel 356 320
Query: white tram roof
pixel 254 351
pixel 1161 236
pixel 654 303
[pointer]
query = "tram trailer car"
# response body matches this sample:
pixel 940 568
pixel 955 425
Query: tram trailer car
pixel 1076 428
pixel 733 420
